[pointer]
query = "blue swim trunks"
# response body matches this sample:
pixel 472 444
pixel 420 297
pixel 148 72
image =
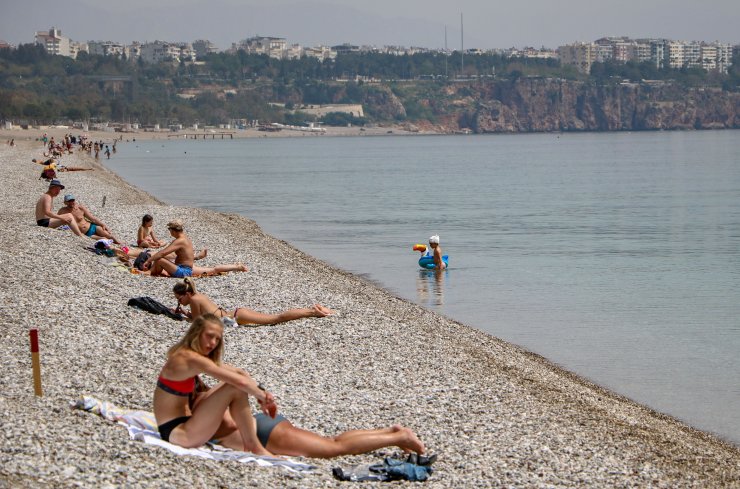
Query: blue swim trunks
pixel 183 271
pixel 92 230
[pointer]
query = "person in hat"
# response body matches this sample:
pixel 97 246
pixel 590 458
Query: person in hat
pixel 159 265
pixel 45 217
pixel 89 224
pixel 439 264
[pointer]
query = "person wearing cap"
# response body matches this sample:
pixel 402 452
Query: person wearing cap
pixel 182 247
pixel 45 217
pixel 89 224
pixel 439 264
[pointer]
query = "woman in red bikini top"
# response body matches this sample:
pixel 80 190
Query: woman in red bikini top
pixel 223 412
pixel 200 351
pixel 200 304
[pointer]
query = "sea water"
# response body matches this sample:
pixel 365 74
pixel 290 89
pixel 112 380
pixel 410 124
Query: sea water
pixel 615 255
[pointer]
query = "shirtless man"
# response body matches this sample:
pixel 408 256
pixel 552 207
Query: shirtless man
pixel 86 222
pixel 182 247
pixel 184 254
pixel 439 264
pixel 45 217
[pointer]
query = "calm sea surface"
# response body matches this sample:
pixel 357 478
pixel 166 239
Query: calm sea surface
pixel 615 255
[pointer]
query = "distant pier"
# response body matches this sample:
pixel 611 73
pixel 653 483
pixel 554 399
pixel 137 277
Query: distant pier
pixel 202 135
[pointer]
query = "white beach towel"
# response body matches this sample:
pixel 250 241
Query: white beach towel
pixel 142 426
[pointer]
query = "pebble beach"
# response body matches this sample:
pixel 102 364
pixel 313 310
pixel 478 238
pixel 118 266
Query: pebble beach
pixel 496 415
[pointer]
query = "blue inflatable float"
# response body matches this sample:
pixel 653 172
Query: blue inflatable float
pixel 427 261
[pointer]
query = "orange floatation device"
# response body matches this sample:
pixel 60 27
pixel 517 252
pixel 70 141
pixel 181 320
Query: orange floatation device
pixel 420 247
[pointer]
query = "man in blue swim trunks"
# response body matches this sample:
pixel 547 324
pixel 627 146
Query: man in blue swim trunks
pixel 88 224
pixel 182 247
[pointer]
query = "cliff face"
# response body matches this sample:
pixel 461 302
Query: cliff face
pixel 532 105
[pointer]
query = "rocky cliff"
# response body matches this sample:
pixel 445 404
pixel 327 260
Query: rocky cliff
pixel 534 105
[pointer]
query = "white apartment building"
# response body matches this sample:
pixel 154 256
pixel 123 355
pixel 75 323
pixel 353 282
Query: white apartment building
pixel 708 57
pixel 724 56
pixel 294 51
pixel 580 54
pixel 106 48
pixel 642 51
pixel 658 53
pixel 674 54
pixel 54 43
pixel 274 47
pixel 158 51
pixel 692 54
pixel 321 53
pixel 534 53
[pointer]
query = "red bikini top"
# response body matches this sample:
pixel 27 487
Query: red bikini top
pixel 177 387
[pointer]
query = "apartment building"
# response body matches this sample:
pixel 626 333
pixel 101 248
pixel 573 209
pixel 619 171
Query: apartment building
pixel 158 51
pixel 106 48
pixel 321 53
pixel 274 47
pixel 692 55
pixel 581 54
pixel 54 42
pixel 203 47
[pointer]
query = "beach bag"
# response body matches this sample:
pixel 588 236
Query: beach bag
pixel 48 174
pixel 139 262
pixel 150 305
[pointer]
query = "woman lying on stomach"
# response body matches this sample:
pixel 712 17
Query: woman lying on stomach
pixel 200 304
pixel 224 412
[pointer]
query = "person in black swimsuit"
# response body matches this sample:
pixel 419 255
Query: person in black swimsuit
pixel 45 217
pixel 223 411
pixel 200 351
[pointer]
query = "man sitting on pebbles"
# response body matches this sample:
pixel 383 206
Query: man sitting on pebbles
pixel 45 217
pixel 183 267
pixel 87 223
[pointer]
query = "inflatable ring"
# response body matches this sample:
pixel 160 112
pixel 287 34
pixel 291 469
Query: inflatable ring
pixel 427 262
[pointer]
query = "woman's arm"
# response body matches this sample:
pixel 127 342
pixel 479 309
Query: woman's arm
pixel 231 375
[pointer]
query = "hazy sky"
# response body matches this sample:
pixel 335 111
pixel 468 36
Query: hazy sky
pixel 487 23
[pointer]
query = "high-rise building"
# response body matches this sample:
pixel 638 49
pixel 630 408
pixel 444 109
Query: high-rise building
pixel 53 42
pixel 580 54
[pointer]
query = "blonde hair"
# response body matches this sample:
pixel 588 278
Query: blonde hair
pixel 187 285
pixel 191 339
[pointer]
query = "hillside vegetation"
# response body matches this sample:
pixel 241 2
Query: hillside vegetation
pixel 427 90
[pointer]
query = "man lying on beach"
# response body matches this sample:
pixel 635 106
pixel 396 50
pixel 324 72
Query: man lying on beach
pixel 87 223
pixel 52 164
pixel 183 267
pixel 45 217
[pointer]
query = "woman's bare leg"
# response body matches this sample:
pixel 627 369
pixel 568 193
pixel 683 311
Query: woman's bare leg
pixel 209 414
pixel 248 316
pixel 286 439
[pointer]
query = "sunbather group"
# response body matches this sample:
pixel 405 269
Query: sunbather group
pixel 187 412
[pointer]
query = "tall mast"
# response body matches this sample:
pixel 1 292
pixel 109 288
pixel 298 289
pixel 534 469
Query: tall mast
pixel 462 47
pixel 446 53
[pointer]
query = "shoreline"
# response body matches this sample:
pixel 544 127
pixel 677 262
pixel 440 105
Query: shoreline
pixel 33 134
pixel 496 414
